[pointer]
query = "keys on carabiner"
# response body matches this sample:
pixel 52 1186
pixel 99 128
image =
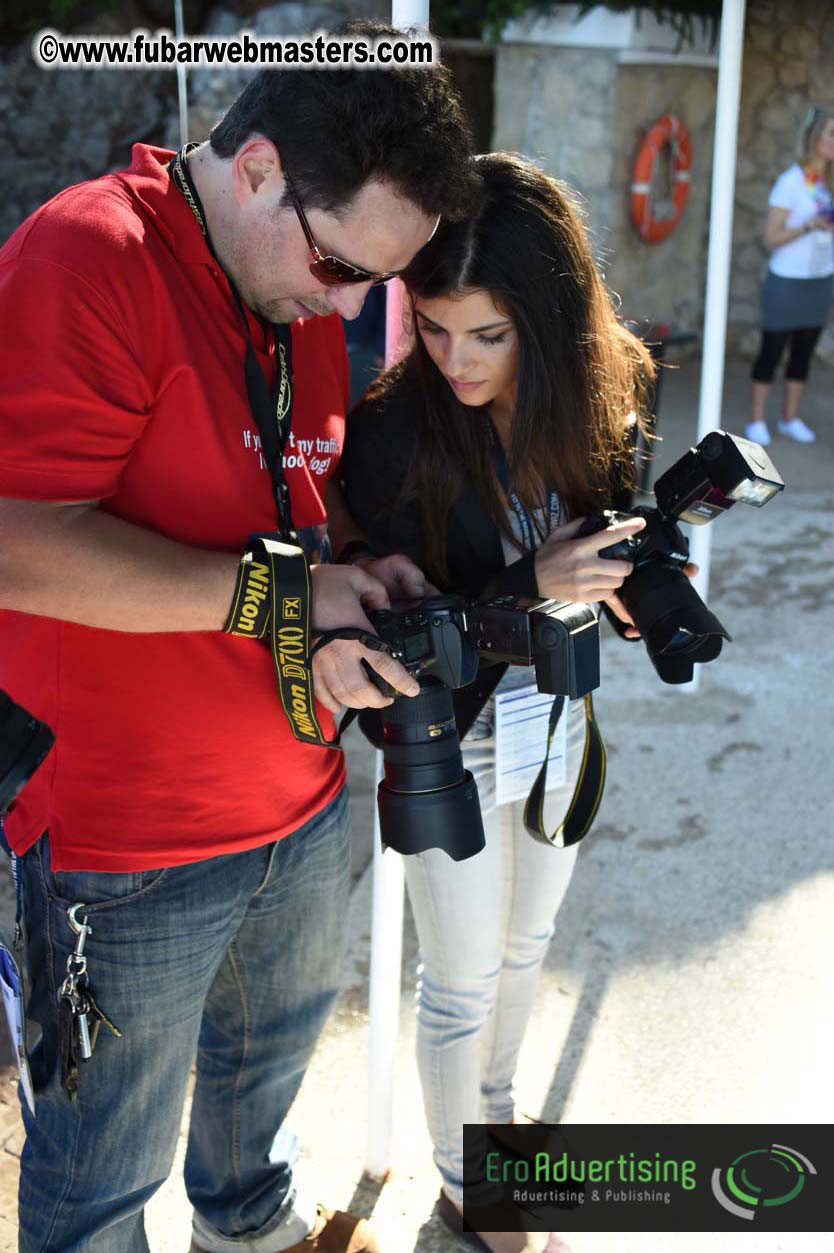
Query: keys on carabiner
pixel 73 1031
pixel 79 1017
pixel 74 987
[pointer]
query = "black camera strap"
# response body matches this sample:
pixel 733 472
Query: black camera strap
pixel 591 782
pixel 272 414
pixel 273 595
pixel 589 786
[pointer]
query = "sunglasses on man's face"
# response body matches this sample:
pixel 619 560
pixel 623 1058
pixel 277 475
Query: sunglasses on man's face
pixel 331 271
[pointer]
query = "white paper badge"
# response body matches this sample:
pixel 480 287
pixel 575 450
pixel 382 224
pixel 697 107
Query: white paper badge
pixel 521 721
pixel 11 991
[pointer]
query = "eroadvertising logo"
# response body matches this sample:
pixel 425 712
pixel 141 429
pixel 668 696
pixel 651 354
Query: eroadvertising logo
pixel 761 1177
pixel 588 1177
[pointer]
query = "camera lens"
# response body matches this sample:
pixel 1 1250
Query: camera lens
pixel 427 799
pixel 681 641
pixel 24 742
pixel 677 627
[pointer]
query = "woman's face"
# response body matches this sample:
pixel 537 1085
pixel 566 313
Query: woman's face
pixel 825 143
pixel 474 346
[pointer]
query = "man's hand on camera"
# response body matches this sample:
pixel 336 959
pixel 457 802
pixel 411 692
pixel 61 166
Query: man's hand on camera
pixel 340 596
pixel 403 580
pixel 340 679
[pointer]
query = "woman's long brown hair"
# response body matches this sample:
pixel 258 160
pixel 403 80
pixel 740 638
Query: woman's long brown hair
pixel 581 374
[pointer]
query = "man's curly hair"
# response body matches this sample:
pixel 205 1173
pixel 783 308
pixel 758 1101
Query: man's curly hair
pixel 336 128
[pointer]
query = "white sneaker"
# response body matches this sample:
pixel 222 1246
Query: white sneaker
pixel 796 429
pixel 758 432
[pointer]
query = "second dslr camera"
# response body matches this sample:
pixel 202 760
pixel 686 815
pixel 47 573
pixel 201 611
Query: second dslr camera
pixel 427 799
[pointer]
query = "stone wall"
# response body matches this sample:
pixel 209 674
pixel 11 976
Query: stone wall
pixel 556 105
pixel 61 127
pixel 581 115
pixel 581 112
pixel 662 282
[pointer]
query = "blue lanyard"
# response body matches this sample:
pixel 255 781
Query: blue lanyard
pixel 522 513
pixel 17 942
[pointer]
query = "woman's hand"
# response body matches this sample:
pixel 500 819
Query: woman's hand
pixel 572 569
pixel 617 607
pixel 777 232
pixel 619 610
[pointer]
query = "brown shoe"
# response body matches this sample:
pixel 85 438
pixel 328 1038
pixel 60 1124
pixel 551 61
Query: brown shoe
pixel 334 1231
pixel 453 1219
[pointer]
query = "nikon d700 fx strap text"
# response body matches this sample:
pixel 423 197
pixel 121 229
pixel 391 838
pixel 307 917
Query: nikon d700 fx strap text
pixel 586 795
pixel 273 601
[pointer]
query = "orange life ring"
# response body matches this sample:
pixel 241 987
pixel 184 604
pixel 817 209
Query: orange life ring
pixel 654 226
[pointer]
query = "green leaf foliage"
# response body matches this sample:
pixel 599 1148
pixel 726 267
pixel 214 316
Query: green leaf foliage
pixel 470 19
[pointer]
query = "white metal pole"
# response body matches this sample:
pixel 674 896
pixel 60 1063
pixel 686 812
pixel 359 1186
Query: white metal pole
pixel 407 13
pixel 388 882
pixel 182 88
pixel 384 998
pixel 718 263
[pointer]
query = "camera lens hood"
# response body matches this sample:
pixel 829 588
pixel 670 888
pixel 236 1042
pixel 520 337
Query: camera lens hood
pixel 448 818
pixel 678 629
pixel 24 743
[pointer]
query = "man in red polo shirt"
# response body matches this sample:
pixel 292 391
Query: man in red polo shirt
pixel 204 848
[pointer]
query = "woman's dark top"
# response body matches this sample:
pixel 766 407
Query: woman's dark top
pixel 380 442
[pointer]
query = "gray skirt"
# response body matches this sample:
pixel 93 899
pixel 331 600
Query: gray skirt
pixel 789 304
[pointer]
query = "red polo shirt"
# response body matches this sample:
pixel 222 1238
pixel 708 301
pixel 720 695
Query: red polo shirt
pixel 122 380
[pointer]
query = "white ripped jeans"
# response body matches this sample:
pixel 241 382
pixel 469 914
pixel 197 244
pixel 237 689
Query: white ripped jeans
pixel 484 926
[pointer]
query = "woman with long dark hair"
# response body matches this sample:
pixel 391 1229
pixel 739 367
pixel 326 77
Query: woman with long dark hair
pixel 479 456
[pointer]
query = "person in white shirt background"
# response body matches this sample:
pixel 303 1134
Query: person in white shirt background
pixel 797 292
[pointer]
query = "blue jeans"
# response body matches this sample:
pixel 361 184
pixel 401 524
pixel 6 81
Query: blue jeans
pixel 235 960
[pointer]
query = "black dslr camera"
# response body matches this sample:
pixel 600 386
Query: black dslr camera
pixel 427 799
pixel 24 743
pixel 677 627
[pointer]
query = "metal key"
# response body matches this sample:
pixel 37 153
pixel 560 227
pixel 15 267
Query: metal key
pixel 97 1020
pixel 81 1012
pixel 66 1048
